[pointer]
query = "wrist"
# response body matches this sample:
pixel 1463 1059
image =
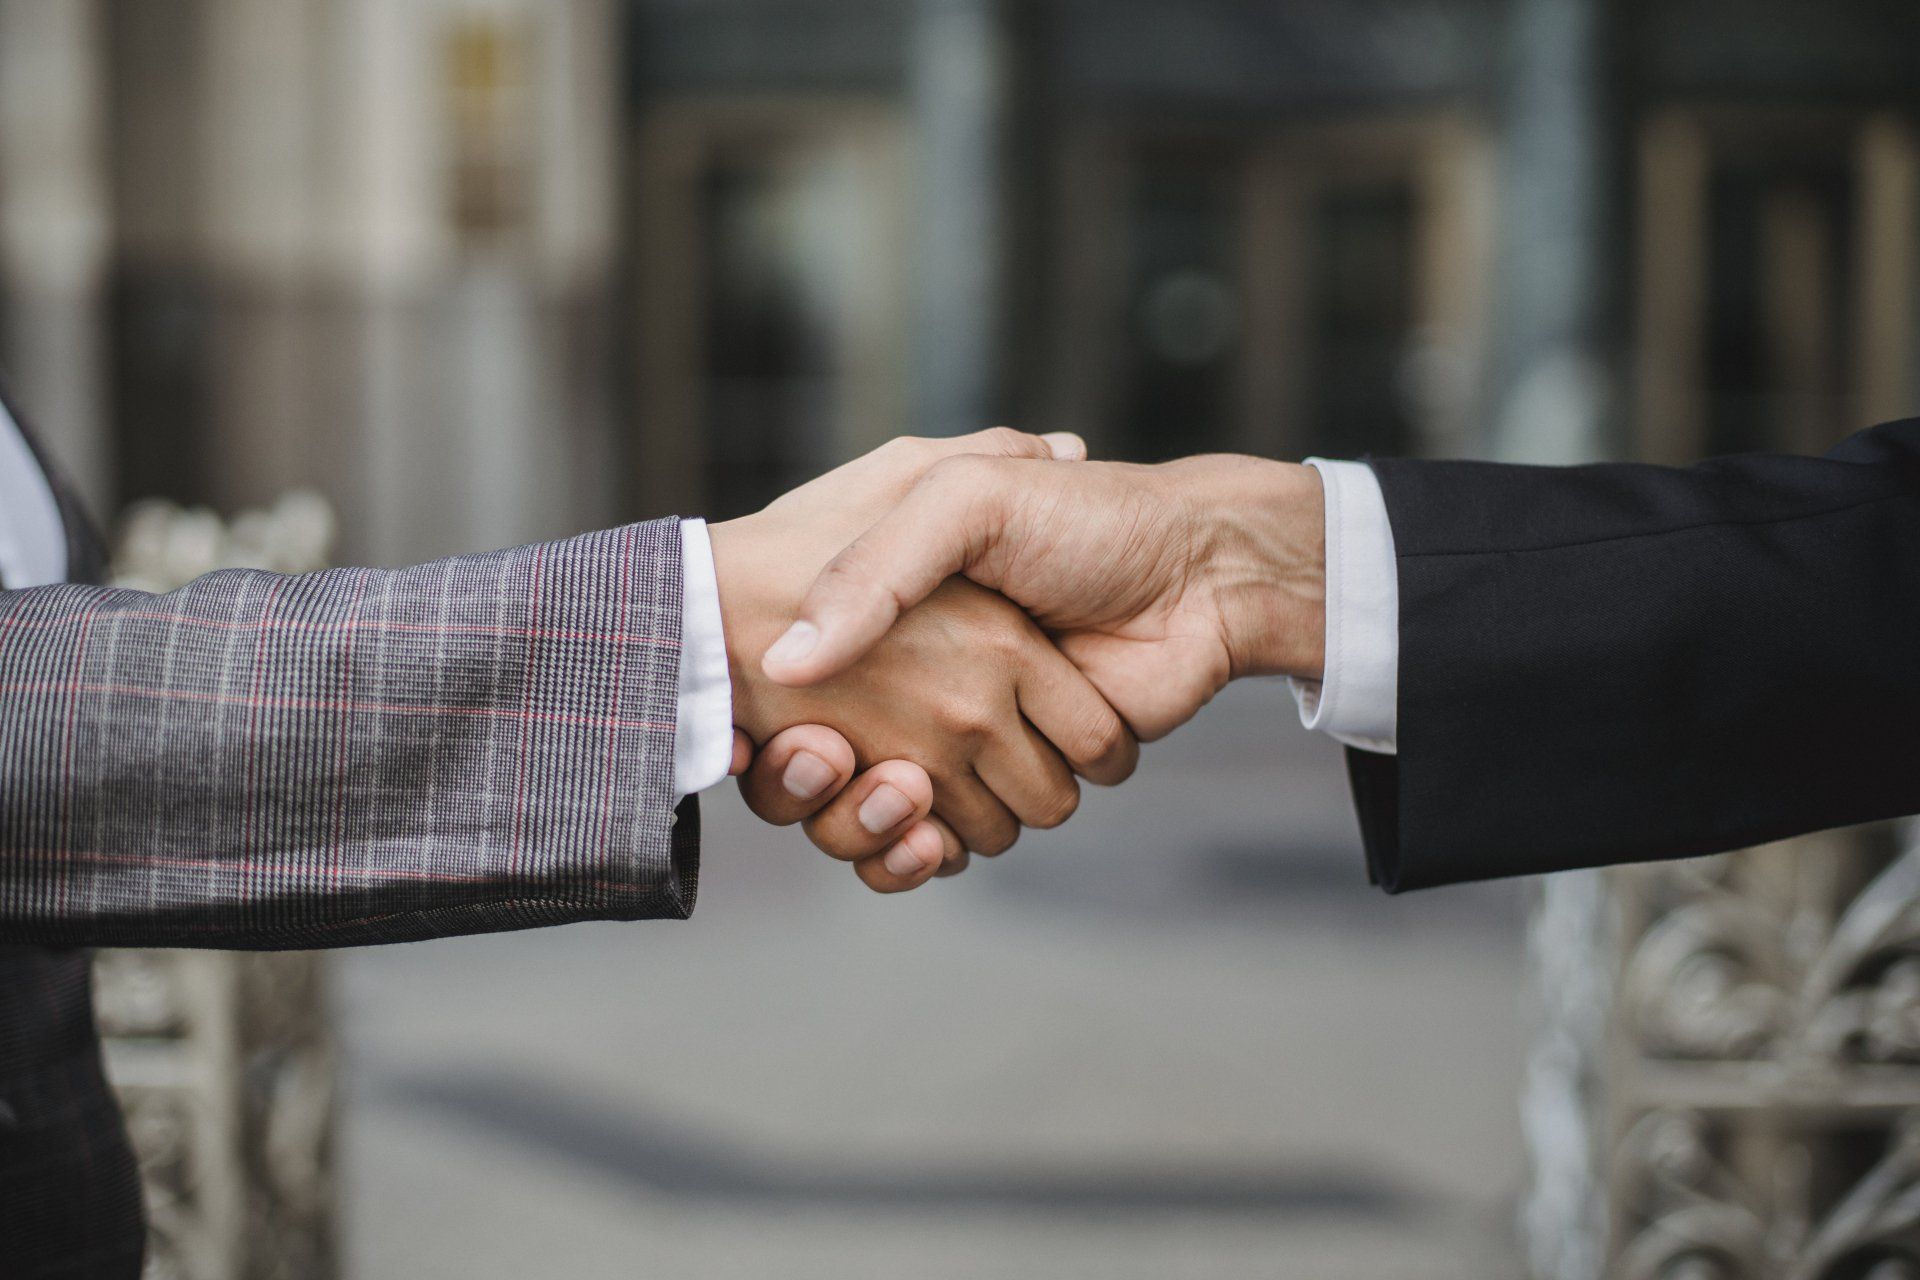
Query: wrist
pixel 753 608
pixel 1263 551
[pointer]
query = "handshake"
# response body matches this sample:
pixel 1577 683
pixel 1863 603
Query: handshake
pixel 932 645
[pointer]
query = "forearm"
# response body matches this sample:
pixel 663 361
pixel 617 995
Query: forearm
pixel 357 756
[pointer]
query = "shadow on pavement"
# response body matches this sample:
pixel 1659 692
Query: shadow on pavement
pixel 676 1162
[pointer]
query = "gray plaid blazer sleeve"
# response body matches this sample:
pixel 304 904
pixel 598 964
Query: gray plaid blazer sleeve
pixel 349 757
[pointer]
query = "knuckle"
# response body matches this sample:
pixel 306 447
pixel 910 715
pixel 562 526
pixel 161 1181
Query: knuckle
pixel 997 839
pixel 961 470
pixel 1105 742
pixel 1005 441
pixel 1057 806
pixel 848 564
pixel 852 572
pixel 832 841
pixel 968 716
pixel 1002 638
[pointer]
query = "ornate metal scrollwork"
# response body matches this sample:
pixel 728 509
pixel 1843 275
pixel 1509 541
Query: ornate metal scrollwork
pixel 1722 974
pixel 1695 1216
pixel 1746 1094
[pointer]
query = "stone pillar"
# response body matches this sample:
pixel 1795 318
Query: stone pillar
pixel 255 247
pixel 1554 352
pixel 1551 398
pixel 54 228
pixel 961 72
pixel 382 245
pixel 1724 1081
pixel 467 239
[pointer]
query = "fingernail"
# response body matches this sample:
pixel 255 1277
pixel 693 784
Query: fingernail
pixel 807 775
pixel 1065 445
pixel 884 810
pixel 903 861
pixel 796 644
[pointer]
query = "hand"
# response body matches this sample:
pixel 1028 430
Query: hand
pixel 802 775
pixel 965 686
pixel 1161 583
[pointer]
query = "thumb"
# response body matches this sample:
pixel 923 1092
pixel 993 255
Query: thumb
pixel 943 525
pixel 1006 442
pixel 1065 446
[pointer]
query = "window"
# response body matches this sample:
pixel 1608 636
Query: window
pixel 771 334
pixel 1308 289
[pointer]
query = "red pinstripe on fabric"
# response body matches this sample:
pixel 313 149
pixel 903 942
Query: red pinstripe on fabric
pixel 340 737
pixel 330 704
pixel 526 708
pixel 236 864
pixel 66 757
pixel 346 624
pixel 619 689
pixel 247 839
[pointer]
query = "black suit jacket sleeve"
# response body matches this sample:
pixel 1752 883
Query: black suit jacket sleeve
pixel 1620 663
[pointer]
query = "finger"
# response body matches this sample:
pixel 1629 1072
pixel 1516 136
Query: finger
pixel 874 812
pixel 1029 776
pixel 1069 712
pixel 1159 696
pixel 954 855
pixel 977 816
pixel 1005 442
pixel 926 850
pixel 797 773
pixel 1065 446
pixel 742 753
pixel 796 658
pixel 950 517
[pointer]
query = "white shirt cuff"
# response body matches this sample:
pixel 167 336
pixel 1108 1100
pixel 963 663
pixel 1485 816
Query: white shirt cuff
pixel 703 742
pixel 1357 698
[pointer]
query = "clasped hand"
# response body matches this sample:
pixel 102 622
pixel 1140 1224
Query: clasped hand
pixel 992 619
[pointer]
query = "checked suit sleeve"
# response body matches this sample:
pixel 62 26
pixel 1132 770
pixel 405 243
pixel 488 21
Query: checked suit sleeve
pixel 357 756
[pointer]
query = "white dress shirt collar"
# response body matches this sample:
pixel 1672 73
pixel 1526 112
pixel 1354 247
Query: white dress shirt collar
pixel 33 543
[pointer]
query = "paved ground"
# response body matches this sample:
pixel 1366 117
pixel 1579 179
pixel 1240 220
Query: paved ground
pixel 1178 1038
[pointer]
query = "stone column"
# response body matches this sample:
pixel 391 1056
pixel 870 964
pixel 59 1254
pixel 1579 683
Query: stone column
pixel 467 233
pixel 255 248
pixel 961 71
pixel 54 228
pixel 383 243
pixel 1551 398
pixel 1556 251
pixel 1724 1082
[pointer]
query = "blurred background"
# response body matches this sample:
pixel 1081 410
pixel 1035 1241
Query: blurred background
pixel 484 271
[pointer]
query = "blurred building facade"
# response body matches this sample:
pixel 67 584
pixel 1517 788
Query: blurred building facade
pixel 363 247
pixel 490 270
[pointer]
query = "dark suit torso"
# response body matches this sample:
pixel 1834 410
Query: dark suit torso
pixel 69 1186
